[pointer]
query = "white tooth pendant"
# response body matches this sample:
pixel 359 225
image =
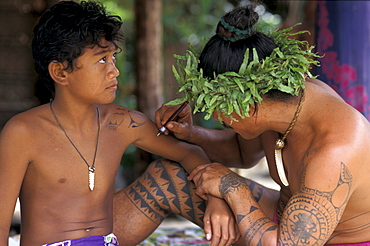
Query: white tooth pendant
pixel 91 178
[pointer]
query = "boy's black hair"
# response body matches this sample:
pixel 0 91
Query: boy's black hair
pixel 63 32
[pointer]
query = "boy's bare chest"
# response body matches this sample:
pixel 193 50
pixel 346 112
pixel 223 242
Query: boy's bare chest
pixel 63 163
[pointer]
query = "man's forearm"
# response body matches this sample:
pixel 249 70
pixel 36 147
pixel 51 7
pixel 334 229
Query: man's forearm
pixel 255 227
pixel 219 145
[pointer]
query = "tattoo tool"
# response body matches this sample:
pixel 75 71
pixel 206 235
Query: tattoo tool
pixel 173 117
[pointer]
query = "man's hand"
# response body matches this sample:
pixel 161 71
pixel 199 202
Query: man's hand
pixel 215 179
pixel 182 127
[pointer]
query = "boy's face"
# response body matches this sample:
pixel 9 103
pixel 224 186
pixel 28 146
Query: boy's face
pixel 95 74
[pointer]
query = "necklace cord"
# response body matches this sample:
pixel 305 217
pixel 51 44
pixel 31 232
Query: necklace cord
pixel 92 167
pixel 280 144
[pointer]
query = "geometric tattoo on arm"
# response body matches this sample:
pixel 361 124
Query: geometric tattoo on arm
pixel 311 215
pixel 231 182
pixel 136 119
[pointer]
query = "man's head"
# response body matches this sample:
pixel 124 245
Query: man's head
pixel 239 67
pixel 224 52
pixel 65 30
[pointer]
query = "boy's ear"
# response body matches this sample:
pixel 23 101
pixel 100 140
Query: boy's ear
pixel 57 72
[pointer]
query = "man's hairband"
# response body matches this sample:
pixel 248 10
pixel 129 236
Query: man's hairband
pixel 239 33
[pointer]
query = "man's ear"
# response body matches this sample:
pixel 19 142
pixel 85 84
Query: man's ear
pixel 57 72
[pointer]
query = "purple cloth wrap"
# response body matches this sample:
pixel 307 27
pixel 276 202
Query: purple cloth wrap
pixel 109 240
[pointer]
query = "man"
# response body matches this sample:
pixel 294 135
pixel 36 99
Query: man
pixel 61 158
pixel 316 145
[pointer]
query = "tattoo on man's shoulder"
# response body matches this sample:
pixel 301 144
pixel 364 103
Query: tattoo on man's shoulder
pixel 311 214
pixel 231 182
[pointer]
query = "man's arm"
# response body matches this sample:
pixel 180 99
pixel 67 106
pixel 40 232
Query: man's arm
pixel 224 146
pixel 228 147
pixel 13 165
pixel 310 216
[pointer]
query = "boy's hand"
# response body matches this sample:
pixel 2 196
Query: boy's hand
pixel 219 223
pixel 182 127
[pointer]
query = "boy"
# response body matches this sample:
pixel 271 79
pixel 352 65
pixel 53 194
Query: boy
pixel 61 158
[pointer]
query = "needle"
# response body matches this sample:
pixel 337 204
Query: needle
pixel 173 117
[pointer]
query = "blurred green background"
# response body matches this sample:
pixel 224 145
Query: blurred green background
pixel 154 30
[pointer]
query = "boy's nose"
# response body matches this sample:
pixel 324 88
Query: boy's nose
pixel 114 72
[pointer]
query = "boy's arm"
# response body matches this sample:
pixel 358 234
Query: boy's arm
pixel 188 155
pixel 13 165
pixel 224 146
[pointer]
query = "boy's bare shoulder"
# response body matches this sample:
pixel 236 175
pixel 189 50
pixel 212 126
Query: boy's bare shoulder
pixel 116 117
pixel 26 122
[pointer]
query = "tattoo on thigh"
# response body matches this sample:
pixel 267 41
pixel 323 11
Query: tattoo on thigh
pixel 311 215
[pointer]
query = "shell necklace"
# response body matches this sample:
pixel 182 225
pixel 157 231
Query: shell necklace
pixel 280 144
pixel 91 168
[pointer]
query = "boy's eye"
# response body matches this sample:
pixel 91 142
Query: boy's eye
pixel 103 60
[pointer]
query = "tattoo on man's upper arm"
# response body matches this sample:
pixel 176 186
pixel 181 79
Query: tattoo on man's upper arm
pixel 311 215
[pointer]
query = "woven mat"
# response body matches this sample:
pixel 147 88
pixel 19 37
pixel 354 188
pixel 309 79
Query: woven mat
pixel 176 237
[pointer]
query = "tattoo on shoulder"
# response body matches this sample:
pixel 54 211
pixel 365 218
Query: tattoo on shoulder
pixel 231 182
pixel 311 215
pixel 116 120
pixel 136 119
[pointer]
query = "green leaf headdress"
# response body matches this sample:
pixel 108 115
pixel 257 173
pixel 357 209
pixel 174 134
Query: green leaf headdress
pixel 285 70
